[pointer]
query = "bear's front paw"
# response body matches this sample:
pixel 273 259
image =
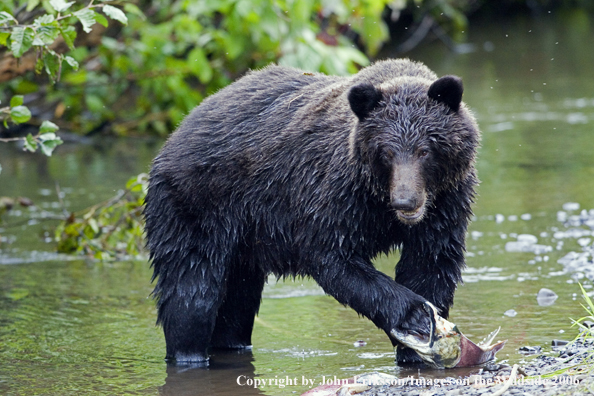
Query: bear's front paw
pixel 406 356
pixel 418 321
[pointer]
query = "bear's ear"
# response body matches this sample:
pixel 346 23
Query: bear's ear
pixel 448 90
pixel 363 98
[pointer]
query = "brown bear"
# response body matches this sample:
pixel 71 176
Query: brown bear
pixel 287 172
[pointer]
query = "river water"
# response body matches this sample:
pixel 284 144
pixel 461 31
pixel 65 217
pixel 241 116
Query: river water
pixel 70 326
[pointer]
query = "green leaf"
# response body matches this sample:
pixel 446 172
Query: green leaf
pixel 20 114
pixel 30 143
pixel 60 5
pixel 21 40
pixel 16 100
pixel 71 61
pixel 48 127
pixel 87 18
pixel 101 20
pixel 17 294
pixel 46 137
pixel 199 65
pixel 137 183
pixel 24 86
pixel 587 298
pixel 44 20
pixel 6 17
pixel 4 38
pixel 94 225
pixel 133 9
pixel 94 103
pixel 115 13
pixel 39 66
pixel 69 35
pixel 52 63
pixel 32 4
pixel 301 12
pixel 46 35
pixel 48 142
pixel 77 78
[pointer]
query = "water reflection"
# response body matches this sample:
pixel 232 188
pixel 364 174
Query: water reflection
pixel 227 373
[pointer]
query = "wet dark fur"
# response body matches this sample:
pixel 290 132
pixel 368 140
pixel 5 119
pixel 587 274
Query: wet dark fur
pixel 277 174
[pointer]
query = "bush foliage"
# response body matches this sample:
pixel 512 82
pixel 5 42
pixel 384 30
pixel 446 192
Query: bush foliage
pixel 109 230
pixel 167 55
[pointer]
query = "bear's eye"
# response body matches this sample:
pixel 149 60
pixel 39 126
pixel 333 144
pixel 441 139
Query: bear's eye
pixel 423 153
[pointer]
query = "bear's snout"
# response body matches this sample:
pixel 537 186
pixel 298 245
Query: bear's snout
pixel 407 193
pixel 408 204
pixel 409 210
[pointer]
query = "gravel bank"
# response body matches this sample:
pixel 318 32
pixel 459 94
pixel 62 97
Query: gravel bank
pixel 491 379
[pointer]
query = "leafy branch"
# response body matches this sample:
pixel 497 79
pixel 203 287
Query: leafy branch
pixel 41 35
pixel 46 138
pixel 45 29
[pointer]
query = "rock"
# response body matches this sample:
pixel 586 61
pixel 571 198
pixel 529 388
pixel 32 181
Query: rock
pixel 492 367
pixel 527 247
pixel 530 350
pixel 559 343
pixel 569 206
pixel 527 238
pixel 473 379
pixel 546 297
pixel 561 216
pixel 510 312
pixel 583 242
pixel 589 324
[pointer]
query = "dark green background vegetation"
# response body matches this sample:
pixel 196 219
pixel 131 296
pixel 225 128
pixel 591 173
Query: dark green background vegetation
pixel 88 74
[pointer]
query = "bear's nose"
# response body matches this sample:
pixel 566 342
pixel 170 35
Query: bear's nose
pixel 406 204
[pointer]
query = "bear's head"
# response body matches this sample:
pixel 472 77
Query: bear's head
pixel 417 137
